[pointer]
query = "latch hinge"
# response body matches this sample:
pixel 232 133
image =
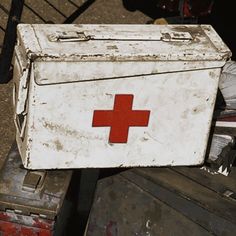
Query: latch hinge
pixel 22 92
pixel 176 36
pixel 70 36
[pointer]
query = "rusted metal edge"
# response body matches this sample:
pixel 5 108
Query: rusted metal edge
pixel 32 220
pixel 100 57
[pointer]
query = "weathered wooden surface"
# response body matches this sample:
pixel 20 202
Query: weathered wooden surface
pixel 164 201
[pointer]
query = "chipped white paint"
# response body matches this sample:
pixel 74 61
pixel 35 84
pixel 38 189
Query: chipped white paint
pixel 171 71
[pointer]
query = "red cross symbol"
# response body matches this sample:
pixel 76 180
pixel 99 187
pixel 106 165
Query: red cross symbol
pixel 120 118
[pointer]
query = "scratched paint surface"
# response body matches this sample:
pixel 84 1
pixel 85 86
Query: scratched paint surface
pixel 12 224
pixel 180 108
pixel 14 229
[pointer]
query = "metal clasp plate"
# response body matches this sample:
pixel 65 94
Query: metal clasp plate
pixel 33 180
pixel 70 36
pixel 176 36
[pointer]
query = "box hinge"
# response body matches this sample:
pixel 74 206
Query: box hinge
pixel 176 36
pixel 70 36
pixel 23 92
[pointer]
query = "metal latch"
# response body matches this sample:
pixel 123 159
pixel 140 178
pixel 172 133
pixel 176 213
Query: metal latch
pixel 33 180
pixel 69 36
pixel 176 36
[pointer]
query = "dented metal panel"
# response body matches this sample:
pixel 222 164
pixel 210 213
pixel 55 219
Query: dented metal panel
pixel 117 95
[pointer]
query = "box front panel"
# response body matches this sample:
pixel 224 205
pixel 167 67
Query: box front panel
pixel 154 120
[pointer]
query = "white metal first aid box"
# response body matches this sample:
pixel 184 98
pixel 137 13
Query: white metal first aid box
pixel 115 95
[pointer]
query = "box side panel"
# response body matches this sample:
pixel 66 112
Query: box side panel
pixel 26 146
pixel 180 106
pixel 22 97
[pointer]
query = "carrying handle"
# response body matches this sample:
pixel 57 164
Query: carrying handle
pixel 74 36
pixel 176 37
pixel 70 36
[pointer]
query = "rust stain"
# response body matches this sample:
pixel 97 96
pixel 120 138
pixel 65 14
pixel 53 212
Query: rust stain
pixel 112 47
pixel 111 229
pixel 109 94
pixel 28 162
pixel 4 216
pixel 199 109
pixel 42 223
pixel 213 74
pixel 59 146
pixel 60 129
pixel 193 30
pixel 46 144
pixel 144 139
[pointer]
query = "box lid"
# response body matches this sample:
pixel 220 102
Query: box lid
pixel 121 42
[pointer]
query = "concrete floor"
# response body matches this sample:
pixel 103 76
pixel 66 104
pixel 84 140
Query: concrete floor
pixel 6 119
pixel 56 11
